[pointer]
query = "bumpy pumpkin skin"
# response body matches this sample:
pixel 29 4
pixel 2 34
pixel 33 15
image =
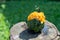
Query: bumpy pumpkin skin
pixel 35 21
pixel 35 25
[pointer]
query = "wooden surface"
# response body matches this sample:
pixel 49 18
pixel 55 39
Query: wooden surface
pixel 19 32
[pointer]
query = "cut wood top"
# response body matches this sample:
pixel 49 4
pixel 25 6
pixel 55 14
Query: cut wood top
pixel 19 32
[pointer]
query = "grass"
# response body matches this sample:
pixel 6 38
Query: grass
pixel 4 25
pixel 18 11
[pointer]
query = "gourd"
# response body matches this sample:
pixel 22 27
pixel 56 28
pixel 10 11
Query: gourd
pixel 35 21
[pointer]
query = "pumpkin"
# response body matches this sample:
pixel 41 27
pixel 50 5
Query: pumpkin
pixel 36 21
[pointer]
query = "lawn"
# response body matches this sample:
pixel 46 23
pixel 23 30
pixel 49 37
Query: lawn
pixel 18 11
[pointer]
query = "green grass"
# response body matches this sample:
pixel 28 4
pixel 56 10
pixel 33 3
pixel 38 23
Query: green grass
pixel 4 25
pixel 18 11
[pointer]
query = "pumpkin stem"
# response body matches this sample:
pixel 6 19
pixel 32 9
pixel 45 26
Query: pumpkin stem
pixel 38 9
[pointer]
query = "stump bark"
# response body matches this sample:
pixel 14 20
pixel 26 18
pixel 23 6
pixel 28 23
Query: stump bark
pixel 19 31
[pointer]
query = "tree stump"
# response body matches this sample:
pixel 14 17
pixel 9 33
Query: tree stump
pixel 19 31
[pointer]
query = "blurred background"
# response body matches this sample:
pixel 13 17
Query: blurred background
pixel 14 11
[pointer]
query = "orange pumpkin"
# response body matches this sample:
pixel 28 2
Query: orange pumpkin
pixel 37 15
